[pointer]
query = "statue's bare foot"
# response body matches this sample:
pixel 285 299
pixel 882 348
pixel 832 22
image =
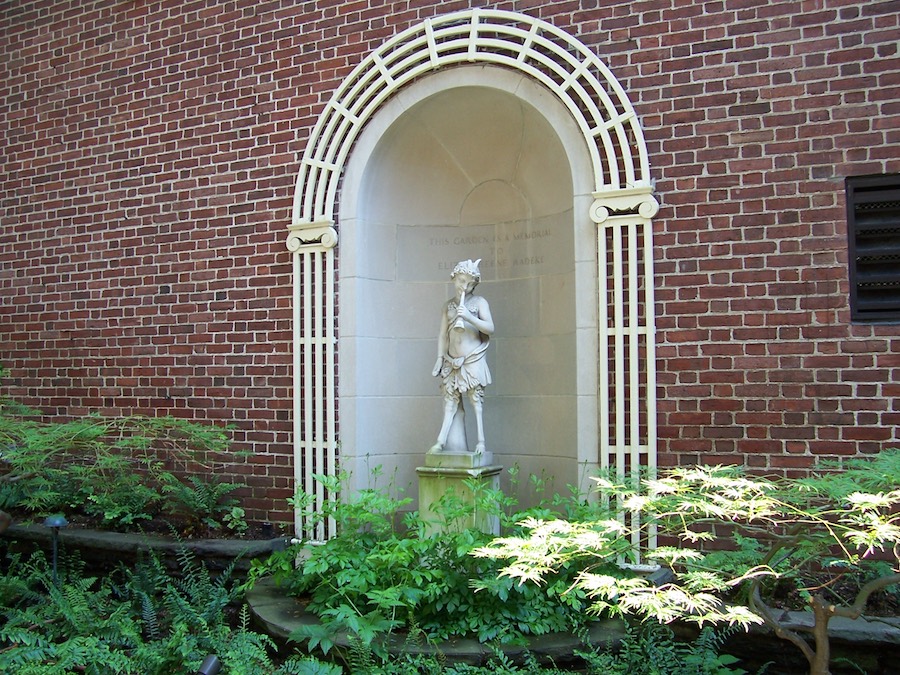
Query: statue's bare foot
pixel 437 447
pixel 479 449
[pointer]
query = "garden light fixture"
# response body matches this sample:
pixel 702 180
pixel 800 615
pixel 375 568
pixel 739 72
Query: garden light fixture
pixel 210 666
pixel 55 522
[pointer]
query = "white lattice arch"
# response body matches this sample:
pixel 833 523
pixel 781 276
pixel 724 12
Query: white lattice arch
pixel 623 206
pixel 582 82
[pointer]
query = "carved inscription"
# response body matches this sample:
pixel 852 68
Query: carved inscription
pixel 501 247
pixel 506 250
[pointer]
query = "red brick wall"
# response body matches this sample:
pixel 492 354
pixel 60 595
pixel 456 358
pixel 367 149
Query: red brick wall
pixel 150 148
pixel 756 112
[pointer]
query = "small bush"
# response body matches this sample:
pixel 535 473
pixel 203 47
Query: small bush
pixel 116 472
pixel 384 573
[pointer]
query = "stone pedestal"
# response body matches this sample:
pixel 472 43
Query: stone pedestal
pixel 446 471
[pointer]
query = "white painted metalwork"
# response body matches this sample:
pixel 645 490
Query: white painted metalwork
pixel 315 401
pixel 627 372
pixel 586 86
pixel 623 208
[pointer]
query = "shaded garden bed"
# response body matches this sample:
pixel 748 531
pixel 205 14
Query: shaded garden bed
pixel 105 549
pixel 280 615
pixel 867 644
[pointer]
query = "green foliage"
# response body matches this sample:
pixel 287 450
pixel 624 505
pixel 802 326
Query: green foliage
pixel 651 649
pixel 76 465
pixel 205 503
pixel 385 573
pixel 114 470
pixel 780 530
pixel 310 666
pixel 149 622
pixel 234 519
pixel 145 621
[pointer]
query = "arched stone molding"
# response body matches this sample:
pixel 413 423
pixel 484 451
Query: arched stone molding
pixel 622 207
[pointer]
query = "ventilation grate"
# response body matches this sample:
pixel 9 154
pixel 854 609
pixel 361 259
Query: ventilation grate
pixel 873 230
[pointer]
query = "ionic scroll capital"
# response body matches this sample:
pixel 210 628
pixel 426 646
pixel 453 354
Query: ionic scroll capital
pixel 638 199
pixel 318 234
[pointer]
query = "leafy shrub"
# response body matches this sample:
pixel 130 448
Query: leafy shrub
pixel 116 471
pixel 782 530
pixel 384 572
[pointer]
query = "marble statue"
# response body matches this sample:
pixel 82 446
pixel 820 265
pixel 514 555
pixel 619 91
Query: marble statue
pixel 466 328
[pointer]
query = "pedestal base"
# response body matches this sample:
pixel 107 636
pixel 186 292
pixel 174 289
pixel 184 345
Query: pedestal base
pixel 436 481
pixel 445 459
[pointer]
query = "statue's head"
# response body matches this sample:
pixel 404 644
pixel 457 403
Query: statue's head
pixel 469 267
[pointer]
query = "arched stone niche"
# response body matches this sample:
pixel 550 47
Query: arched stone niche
pixel 463 129
pixel 469 162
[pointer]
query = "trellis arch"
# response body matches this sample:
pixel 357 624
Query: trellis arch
pixel 623 207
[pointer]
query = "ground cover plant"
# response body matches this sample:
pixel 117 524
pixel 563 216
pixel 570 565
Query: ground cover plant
pixel 114 473
pixel 153 621
pixel 147 621
pixel 644 650
pixel 143 621
pixel 385 577
pixel 803 534
pixel 652 649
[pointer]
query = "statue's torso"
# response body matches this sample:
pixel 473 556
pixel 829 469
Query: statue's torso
pixel 462 340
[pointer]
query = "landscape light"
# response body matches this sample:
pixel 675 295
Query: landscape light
pixel 55 522
pixel 210 666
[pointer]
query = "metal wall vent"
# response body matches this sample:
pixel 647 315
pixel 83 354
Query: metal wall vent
pixel 873 230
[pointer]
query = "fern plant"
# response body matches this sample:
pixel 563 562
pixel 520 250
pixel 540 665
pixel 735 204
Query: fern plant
pixel 203 502
pixel 141 621
pixel 652 649
pixel 64 625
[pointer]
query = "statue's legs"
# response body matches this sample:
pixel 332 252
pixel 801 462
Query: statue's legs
pixel 476 396
pixel 452 410
pixel 456 439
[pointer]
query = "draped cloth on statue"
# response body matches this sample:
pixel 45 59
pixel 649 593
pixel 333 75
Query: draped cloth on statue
pixel 466 372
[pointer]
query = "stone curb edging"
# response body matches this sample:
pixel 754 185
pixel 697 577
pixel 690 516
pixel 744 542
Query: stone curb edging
pixel 280 615
pixel 128 544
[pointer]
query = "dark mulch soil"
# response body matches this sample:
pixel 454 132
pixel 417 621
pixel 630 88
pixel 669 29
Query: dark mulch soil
pixel 838 589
